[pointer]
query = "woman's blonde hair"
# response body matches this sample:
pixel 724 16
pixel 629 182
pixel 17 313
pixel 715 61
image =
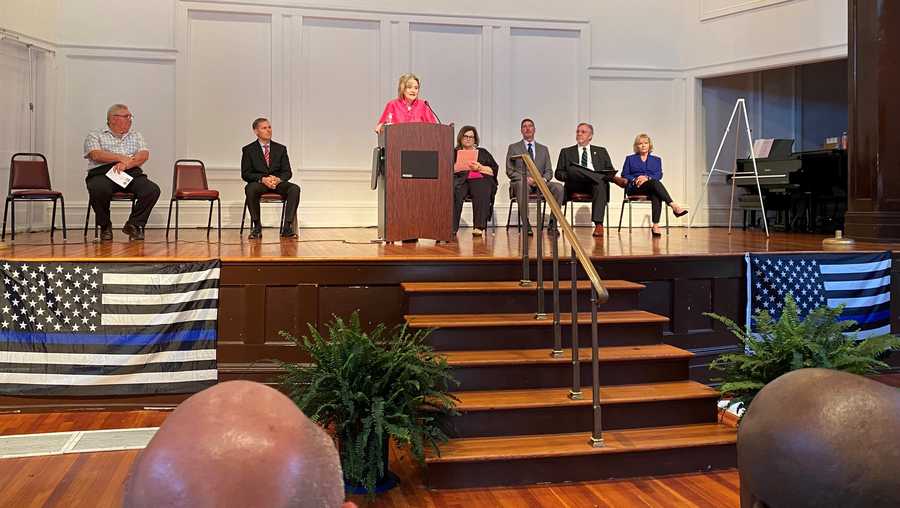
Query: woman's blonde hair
pixel 638 138
pixel 401 86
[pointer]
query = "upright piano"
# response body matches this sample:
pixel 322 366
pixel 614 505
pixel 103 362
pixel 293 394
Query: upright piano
pixel 807 190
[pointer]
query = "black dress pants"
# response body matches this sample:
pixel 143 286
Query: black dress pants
pixel 288 190
pixel 595 184
pixel 656 191
pixel 100 191
pixel 482 192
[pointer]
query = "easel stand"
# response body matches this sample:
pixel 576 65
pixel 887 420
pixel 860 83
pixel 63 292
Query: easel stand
pixel 740 109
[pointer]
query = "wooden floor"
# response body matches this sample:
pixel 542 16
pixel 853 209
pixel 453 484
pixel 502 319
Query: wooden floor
pixel 97 479
pixel 357 244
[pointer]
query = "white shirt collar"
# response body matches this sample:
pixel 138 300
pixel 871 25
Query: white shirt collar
pixel 263 145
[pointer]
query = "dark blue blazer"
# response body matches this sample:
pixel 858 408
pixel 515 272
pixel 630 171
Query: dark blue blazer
pixel 635 167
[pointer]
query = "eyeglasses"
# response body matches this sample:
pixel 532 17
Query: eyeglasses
pixel 127 117
pixel 468 136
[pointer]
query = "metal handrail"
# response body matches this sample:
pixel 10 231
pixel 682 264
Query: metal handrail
pixel 599 294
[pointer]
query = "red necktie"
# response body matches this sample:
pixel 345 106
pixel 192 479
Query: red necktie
pixel 266 153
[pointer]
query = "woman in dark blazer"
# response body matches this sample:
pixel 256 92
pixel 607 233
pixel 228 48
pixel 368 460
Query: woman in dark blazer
pixel 644 174
pixel 475 175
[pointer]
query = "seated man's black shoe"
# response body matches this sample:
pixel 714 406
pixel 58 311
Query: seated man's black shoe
pixel 288 231
pixel 134 232
pixel 106 233
pixel 255 232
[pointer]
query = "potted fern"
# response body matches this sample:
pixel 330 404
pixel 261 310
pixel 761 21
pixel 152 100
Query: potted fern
pixel 369 387
pixel 791 343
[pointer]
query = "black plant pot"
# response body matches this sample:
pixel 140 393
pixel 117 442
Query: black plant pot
pixel 387 481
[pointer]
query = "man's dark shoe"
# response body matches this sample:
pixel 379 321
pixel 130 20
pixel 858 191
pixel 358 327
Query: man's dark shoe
pixel 255 233
pixel 288 231
pixel 134 232
pixel 106 233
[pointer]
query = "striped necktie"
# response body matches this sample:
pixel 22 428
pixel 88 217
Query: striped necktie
pixel 266 154
pixel 584 156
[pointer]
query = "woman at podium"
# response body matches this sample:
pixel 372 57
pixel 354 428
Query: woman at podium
pixel 644 174
pixel 475 176
pixel 407 107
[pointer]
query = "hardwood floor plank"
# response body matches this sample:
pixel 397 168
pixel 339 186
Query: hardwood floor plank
pixel 607 354
pixel 471 320
pixel 483 400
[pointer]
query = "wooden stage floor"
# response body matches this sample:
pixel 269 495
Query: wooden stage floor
pixel 348 244
pixel 97 480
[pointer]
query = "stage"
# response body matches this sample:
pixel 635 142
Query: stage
pixel 273 285
pixel 359 244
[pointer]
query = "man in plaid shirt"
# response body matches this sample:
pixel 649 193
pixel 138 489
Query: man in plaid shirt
pixel 120 149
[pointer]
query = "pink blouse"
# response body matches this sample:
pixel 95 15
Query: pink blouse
pixel 398 111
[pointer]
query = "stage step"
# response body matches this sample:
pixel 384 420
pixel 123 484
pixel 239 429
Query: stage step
pixel 510 296
pixel 535 368
pixel 551 411
pixel 516 460
pixel 523 331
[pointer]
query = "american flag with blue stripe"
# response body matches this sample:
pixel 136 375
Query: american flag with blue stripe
pixel 98 329
pixel 859 281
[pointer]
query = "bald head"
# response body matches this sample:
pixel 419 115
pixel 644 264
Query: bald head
pixel 237 444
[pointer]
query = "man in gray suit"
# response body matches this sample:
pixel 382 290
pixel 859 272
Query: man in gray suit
pixel 515 168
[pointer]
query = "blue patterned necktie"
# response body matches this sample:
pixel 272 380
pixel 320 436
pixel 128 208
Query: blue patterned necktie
pixel 584 156
pixel 531 151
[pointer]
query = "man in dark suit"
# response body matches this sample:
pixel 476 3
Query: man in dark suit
pixel 266 168
pixel 539 153
pixel 593 180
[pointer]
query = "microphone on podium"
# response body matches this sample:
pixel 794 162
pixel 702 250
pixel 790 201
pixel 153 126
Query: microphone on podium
pixel 432 111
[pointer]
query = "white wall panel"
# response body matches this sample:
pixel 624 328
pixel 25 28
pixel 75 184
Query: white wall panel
pixel 449 60
pixel 339 93
pixel 230 83
pixel 14 130
pixel 623 107
pixel 119 23
pixel 90 89
pixel 543 81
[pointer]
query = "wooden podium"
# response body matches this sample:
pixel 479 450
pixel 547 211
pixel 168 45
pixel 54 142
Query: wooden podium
pixel 413 172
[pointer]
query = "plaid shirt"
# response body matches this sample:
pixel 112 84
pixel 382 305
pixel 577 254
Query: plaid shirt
pixel 103 139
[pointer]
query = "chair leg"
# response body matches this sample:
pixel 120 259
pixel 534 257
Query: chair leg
pixel 621 213
pixel 219 208
pixel 209 221
pixel 87 218
pixel 5 211
pixel 169 217
pixel 283 209
pixel 630 224
pixel 177 209
pixel 62 214
pixel 53 221
pixel 243 216
pixel 12 214
pixel 667 218
pixel 509 214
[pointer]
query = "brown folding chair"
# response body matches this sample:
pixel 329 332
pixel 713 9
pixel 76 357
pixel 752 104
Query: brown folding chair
pixel 116 196
pixel 580 197
pixel 266 197
pixel 638 198
pixel 29 180
pixel 189 184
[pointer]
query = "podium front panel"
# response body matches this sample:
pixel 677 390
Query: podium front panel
pixel 418 182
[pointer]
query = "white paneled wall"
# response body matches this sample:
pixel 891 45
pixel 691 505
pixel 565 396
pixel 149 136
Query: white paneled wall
pixel 196 73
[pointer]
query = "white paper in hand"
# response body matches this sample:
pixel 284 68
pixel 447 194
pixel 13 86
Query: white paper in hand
pixel 122 178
